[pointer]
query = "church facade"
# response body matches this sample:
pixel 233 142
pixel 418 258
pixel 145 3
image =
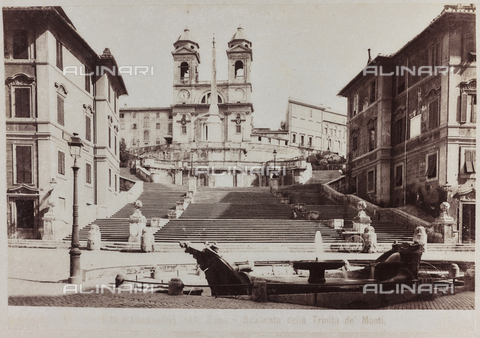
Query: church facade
pixel 187 119
pixel 208 125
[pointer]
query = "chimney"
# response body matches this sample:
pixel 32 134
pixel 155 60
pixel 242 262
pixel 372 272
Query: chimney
pixel 369 57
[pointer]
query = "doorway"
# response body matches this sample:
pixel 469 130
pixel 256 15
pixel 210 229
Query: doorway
pixel 468 223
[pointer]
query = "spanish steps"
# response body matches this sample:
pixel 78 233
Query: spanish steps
pixel 243 215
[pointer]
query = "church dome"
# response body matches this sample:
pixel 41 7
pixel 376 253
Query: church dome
pixel 186 38
pixel 239 38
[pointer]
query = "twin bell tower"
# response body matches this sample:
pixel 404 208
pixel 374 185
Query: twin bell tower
pixel 212 111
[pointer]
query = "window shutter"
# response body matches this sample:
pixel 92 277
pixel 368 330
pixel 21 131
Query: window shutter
pixel 24 164
pixel 398 176
pixel 474 109
pixel 60 111
pixel 463 107
pixel 432 166
pixel 433 115
pixel 474 159
pixel 468 162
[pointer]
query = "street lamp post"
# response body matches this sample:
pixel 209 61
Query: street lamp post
pixel 275 162
pixel 75 146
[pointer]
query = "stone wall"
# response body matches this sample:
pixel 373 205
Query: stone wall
pixel 395 215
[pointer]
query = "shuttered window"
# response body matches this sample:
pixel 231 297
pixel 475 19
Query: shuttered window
pixel 60 111
pixel 470 161
pixel 61 163
pixel 88 128
pixel 432 166
pixel 399 176
pixel 433 115
pixel 88 173
pixel 22 102
pixel 23 161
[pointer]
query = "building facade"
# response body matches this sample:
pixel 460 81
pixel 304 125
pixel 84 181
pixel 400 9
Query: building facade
pixel 316 128
pixel 412 122
pixel 45 106
pixel 309 127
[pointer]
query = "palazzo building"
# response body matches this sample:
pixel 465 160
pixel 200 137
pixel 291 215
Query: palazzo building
pixel 412 122
pixel 45 106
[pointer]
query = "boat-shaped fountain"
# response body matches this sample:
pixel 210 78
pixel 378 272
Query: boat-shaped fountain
pixel 391 278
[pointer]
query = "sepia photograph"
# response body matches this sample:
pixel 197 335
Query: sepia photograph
pixel 270 169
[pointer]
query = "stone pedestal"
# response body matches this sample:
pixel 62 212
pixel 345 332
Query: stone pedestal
pixel 172 214
pixel 470 280
pixel 335 223
pixel 274 184
pixel 47 231
pixel 370 240
pixel 155 178
pixel 94 238
pixel 444 225
pixel 179 209
pixel 259 290
pixel 137 223
pixel 186 202
pixel 362 220
pixel 147 243
pixel 192 184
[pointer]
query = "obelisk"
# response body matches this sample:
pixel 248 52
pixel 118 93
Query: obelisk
pixel 213 124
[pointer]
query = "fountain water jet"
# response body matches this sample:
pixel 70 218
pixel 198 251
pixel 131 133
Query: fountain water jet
pixel 318 245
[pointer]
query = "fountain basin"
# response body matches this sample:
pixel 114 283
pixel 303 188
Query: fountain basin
pixel 317 268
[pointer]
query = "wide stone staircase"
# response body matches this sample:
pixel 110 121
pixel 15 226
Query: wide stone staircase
pixel 239 215
pixel 323 176
pixel 244 231
pixel 156 198
pixel 253 215
pixel 236 203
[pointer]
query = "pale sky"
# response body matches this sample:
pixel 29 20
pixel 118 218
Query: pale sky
pixel 308 52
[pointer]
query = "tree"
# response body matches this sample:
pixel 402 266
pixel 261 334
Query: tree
pixel 326 160
pixel 125 155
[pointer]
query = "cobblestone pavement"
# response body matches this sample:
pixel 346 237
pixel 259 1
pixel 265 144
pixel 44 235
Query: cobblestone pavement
pixel 156 300
pixel 460 301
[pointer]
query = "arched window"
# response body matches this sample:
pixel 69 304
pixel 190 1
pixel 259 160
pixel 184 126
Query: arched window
pixel 206 98
pixel 239 69
pixel 146 122
pixel 184 70
pixel 146 135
